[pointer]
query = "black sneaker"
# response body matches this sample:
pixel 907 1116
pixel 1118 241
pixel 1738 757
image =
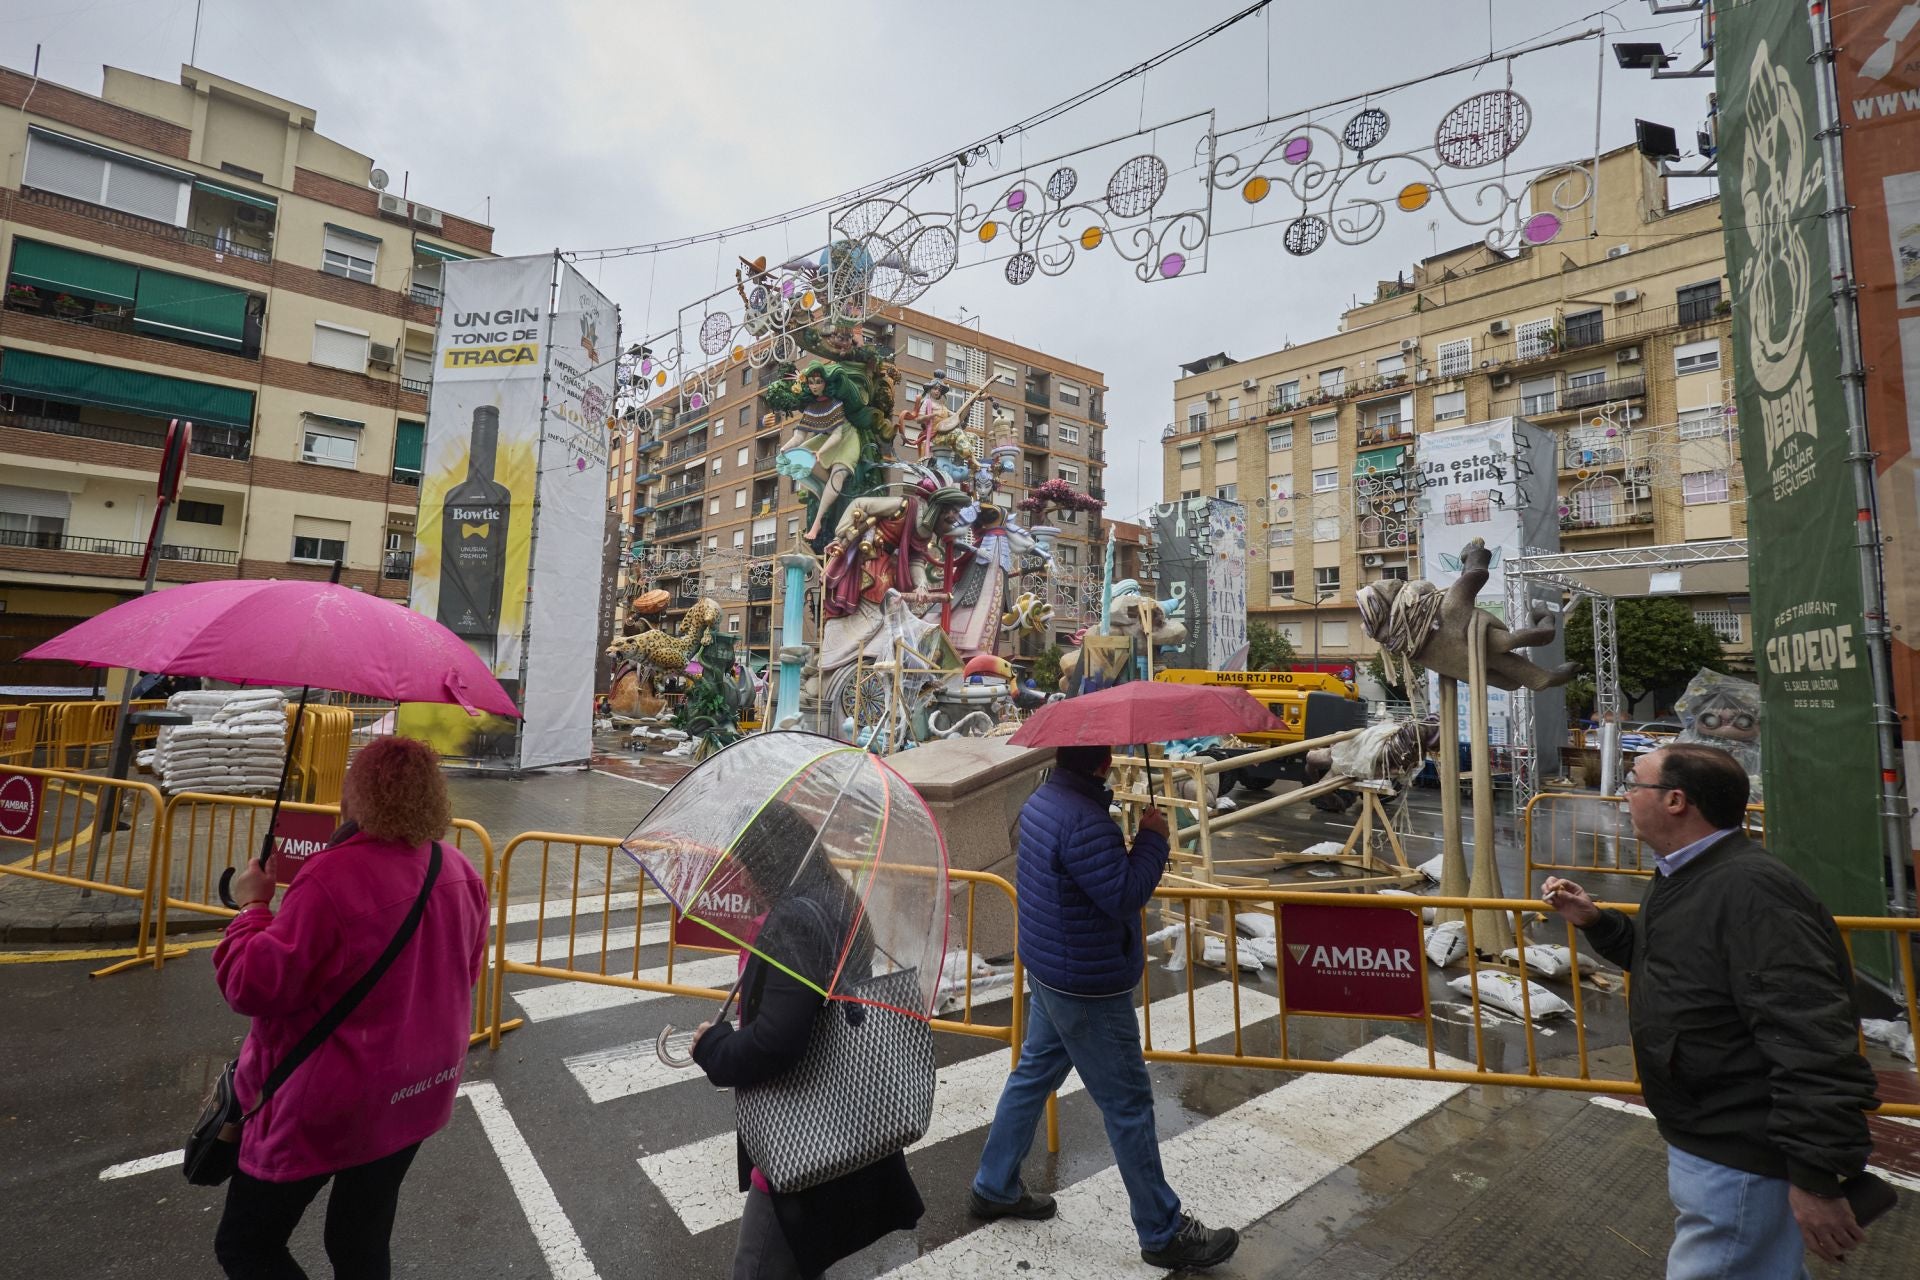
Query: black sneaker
pixel 1032 1207
pixel 1194 1246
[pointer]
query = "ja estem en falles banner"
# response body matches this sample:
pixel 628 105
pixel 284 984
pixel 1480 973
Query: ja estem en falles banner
pixel 1820 762
pixel 1878 77
pixel 471 563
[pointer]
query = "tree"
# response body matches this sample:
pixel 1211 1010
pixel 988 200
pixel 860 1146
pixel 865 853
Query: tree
pixel 1267 648
pixel 1389 677
pixel 1660 646
pixel 1046 669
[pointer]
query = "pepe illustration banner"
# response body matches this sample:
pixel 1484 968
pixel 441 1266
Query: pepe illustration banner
pixel 471 560
pixel 1819 762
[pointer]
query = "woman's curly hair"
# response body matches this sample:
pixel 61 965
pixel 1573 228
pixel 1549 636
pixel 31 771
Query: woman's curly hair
pixel 394 790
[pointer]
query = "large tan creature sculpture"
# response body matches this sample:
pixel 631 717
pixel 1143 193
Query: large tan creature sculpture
pixel 1417 621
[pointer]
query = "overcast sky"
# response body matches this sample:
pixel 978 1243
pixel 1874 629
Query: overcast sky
pixel 582 124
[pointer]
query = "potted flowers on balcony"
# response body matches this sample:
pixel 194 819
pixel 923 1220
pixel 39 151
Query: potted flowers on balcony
pixel 24 296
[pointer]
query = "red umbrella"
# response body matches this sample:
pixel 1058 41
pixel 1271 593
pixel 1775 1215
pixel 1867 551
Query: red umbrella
pixel 1143 711
pixel 286 633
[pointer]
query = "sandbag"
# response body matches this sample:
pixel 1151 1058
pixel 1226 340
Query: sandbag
pixel 1502 991
pixel 1447 943
pixel 1545 959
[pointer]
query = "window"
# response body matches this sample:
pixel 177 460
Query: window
pixel 739 541
pixel 720 388
pixel 1538 395
pixel 1327 581
pixel 1469 508
pixel 1284 395
pixel 1068 553
pixel 713 544
pixel 1699 487
pixel 349 253
pixel 719 426
pixel 713 506
pixel 1280 582
pixel 1189 455
pixel 1725 623
pixel 1325 430
pixel 97 175
pixel 1189 493
pixel 1696 357
pixel 33 517
pixel 1066 433
pixel 1697 302
pixel 330 442
pixel 1197 416
pixel 733 622
pixel 1584 378
pixel 1390 366
pixel 1233 408
pixel 1326 529
pixel 626 468
pixel 1333 381
pixel 1585 328
pixel 1226 449
pixel 1069 393
pixel 739 499
pixel 1333 635
pixel 1449 405
pixel 1281 535
pixel 1280 439
pixel 416 367
pixel 191 512
pixel 1456 357
pixel 1700 424
pixel 1004 373
pixel 319 541
pixel 793 526
pixel 920 348
pixel 1534 338
pixel 1326 480
pixel 1397 572
pixel 1069 473
pixel 746 415
pixel 1229 492
pixel 338 347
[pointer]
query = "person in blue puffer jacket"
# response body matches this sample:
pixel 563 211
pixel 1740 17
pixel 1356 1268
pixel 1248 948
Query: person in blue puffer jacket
pixel 1081 893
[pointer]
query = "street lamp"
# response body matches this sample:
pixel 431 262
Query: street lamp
pixel 1314 604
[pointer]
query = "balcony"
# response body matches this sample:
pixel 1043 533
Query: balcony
pixel 1588 394
pixel 418 386
pixel 48 541
pixel 1602 521
pixel 1096 454
pixel 759 592
pixel 63 309
pixel 759 637
pixel 761 466
pixel 686 449
pixel 763 547
pixel 1385 431
pixel 425 294
pixel 208 441
pixel 1039 399
pixel 1035 437
pixel 410 479
pixel 673 528
pixel 398 565
pixel 214 241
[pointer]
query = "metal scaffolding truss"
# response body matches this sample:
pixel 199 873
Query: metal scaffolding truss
pixel 1604 576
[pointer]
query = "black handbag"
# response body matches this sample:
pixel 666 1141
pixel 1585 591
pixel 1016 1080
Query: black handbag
pixel 213 1148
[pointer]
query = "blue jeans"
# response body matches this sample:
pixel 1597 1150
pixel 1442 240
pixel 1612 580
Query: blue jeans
pixel 1731 1225
pixel 1098 1036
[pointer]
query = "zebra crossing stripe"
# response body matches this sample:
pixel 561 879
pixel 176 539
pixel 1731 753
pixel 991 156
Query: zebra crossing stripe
pixel 559 1244
pixel 591 904
pixel 552 948
pixel 1229 1171
pixel 553 1000
pixel 701 1180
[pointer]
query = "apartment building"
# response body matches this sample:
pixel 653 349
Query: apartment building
pixel 706 514
pixel 1619 342
pixel 197 250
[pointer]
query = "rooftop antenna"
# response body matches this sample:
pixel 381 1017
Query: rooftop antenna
pixel 193 53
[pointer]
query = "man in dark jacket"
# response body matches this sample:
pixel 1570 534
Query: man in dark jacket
pixel 1081 894
pixel 1743 1028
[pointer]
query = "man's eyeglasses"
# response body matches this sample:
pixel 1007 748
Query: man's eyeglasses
pixel 1631 783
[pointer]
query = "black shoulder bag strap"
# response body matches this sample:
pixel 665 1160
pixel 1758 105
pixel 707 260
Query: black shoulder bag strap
pixel 345 1005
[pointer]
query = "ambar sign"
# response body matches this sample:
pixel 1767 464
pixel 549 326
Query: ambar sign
pixel 20 797
pixel 1357 961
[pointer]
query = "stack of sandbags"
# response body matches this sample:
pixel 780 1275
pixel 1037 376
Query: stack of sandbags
pixel 235 745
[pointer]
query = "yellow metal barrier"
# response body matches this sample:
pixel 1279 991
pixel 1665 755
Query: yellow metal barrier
pixel 1584 831
pixel 1575 1072
pixel 20 731
pixel 74 844
pixel 588 876
pixel 320 761
pixel 204 834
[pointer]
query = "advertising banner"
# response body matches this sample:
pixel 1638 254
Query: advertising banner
pixel 1201 544
pixel 21 796
pixel 477 485
pixel 297 837
pixel 1352 960
pixel 1492 481
pixel 1819 761
pixel 1878 70
pixel 570 532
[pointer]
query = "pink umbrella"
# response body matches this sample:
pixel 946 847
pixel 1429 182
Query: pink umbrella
pixel 286 633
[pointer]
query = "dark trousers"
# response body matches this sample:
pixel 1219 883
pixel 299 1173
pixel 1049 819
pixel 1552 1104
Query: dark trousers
pixel 260 1217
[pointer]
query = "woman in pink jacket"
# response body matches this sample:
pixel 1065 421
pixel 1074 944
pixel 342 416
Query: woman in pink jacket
pixel 357 1110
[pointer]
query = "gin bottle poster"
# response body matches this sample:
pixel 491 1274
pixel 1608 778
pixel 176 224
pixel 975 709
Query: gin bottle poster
pixel 472 559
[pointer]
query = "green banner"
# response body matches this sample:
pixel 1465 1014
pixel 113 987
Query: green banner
pixel 1820 766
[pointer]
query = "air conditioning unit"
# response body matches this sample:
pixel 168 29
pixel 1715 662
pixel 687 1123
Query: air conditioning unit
pixel 1502 379
pixel 1642 492
pixel 1409 344
pixel 1628 355
pixel 394 205
pixel 1620 251
pixel 426 217
pixel 1373 562
pixel 1213 397
pixel 380 355
pixel 1621 297
pixel 1497 328
pixel 1419 375
pixel 1251 384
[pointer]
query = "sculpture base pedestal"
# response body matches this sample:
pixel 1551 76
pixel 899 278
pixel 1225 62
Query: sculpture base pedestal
pixel 975 788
